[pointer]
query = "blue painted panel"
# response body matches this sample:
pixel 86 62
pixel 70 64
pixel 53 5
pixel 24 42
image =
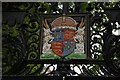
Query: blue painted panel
pixel 68 47
pixel 58 35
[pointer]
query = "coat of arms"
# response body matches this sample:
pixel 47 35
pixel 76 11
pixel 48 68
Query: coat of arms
pixel 64 39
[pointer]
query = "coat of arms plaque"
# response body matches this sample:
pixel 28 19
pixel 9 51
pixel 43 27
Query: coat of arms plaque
pixel 64 37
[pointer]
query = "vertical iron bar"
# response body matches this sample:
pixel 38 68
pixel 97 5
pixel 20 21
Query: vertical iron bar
pixel 66 7
pixel 78 7
pixel 64 68
pixel 49 10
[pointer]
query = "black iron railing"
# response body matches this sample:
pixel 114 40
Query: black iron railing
pixel 21 41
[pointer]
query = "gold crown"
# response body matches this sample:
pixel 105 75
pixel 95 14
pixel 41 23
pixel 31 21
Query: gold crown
pixel 64 22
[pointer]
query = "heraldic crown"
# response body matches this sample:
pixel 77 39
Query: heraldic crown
pixel 64 23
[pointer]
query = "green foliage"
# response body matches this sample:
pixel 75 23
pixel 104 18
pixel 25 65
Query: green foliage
pixel 40 8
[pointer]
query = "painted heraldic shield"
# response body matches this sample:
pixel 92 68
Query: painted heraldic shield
pixel 63 43
pixel 63 31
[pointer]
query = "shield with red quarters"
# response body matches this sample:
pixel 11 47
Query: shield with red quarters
pixel 63 43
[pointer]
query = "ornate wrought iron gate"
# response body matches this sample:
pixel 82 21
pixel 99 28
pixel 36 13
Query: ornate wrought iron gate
pixel 21 42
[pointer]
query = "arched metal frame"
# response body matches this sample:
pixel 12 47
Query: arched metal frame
pixel 104 47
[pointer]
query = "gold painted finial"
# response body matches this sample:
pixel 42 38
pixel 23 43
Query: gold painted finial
pixel 63 18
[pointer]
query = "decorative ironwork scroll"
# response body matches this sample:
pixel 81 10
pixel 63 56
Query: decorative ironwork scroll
pixel 33 43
